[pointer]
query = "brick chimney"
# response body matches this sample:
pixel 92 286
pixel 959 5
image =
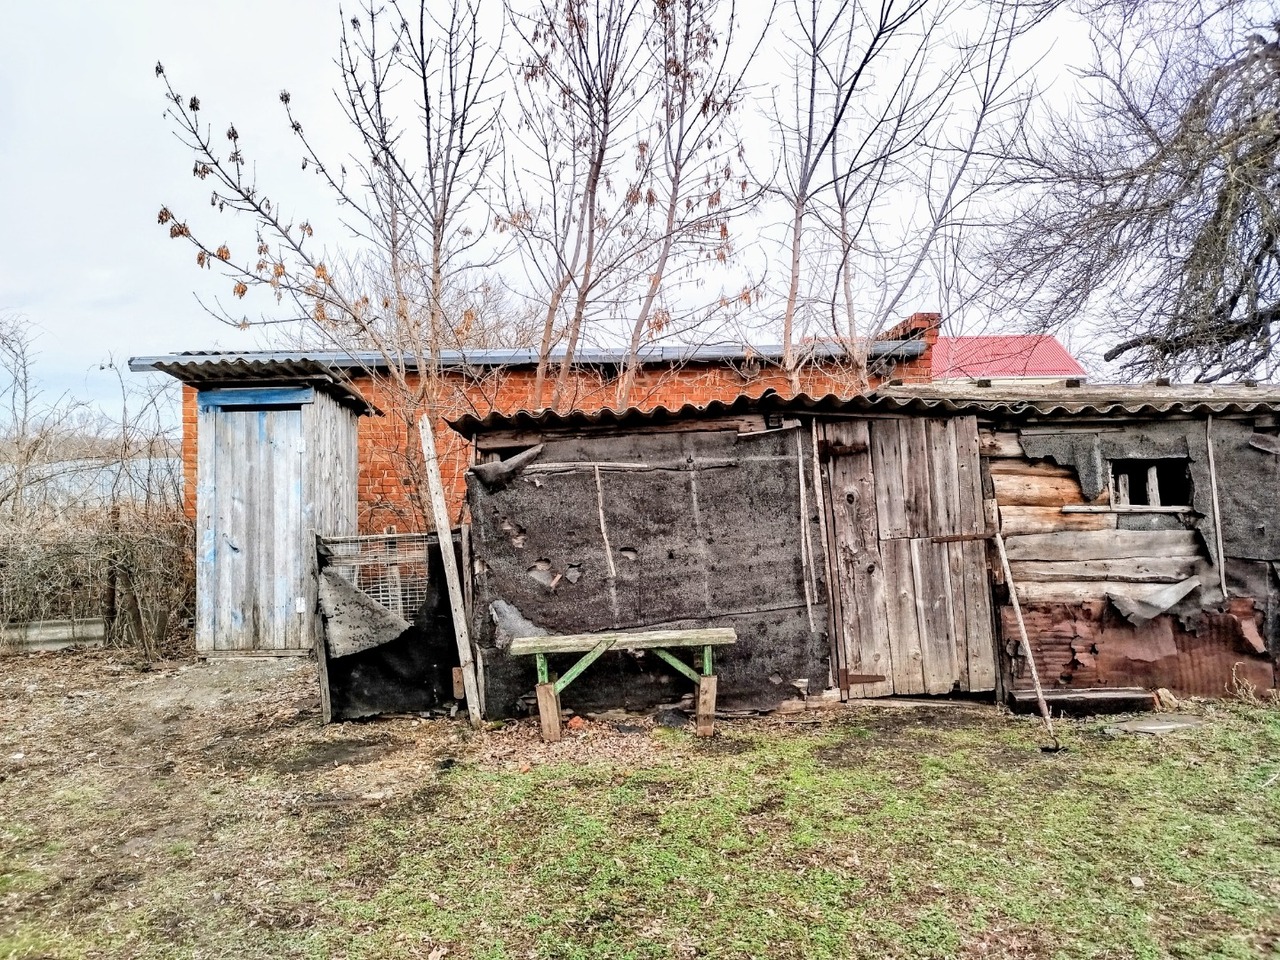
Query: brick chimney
pixel 919 326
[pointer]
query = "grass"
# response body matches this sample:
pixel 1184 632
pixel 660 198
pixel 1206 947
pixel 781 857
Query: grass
pixel 879 833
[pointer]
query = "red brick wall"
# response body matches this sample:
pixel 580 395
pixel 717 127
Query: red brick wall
pixel 390 454
pixel 189 449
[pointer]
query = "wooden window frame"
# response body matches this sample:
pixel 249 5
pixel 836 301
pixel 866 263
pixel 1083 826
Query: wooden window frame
pixel 1119 492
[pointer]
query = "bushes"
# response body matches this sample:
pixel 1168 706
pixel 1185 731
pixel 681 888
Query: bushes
pixel 131 566
pixel 91 518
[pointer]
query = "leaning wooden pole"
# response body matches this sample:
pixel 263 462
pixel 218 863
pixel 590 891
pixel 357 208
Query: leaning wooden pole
pixel 1026 643
pixel 452 576
pixel 1217 511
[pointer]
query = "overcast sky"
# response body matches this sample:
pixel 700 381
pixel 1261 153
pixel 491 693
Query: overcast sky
pixel 87 160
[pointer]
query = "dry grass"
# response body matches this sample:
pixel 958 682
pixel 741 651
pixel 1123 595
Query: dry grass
pixel 202 810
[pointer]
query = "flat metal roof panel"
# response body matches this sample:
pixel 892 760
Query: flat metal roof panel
pixel 190 363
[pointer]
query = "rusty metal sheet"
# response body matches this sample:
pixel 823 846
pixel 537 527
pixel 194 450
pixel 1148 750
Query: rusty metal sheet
pixel 1089 645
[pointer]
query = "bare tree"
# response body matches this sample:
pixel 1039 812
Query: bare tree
pixel 836 47
pixel 692 157
pixel 415 277
pixel 421 97
pixel 36 432
pixel 892 102
pixel 584 85
pixel 1149 209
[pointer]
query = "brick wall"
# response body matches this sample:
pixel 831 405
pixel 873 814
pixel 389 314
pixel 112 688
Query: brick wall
pixel 390 454
pixel 189 449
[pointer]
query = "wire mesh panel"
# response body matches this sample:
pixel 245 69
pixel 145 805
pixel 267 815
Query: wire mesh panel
pixel 391 568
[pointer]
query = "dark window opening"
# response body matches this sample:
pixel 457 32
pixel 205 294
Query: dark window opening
pixel 1150 483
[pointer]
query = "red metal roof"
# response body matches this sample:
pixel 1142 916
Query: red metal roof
pixel 1018 355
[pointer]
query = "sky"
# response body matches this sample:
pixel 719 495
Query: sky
pixel 87 159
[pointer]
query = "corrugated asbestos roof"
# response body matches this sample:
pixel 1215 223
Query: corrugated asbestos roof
pixel 1016 355
pixel 215 370
pixel 1092 401
pixel 199 366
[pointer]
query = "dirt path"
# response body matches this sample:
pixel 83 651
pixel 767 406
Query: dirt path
pixel 110 769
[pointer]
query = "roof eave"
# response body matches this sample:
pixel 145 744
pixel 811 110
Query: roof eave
pixel 176 364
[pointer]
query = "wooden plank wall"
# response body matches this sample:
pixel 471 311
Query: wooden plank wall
pixel 1074 557
pixel 268 606
pixel 858 613
pixel 333 464
pixel 267 479
pixel 206 626
pixel 912 600
pixel 330 476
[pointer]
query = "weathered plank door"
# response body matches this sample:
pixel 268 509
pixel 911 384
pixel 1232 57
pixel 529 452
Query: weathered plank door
pixel 253 561
pixel 911 602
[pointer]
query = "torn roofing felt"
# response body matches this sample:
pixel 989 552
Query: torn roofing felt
pixel 353 620
pixel 602 490
pixel 651 531
pixel 377 661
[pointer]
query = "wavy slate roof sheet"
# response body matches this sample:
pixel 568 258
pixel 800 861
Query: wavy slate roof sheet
pixel 215 369
pixel 1092 401
pixel 1002 356
pixel 197 365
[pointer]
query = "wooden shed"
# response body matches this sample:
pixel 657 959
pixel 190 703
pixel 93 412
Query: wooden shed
pixel 276 465
pixel 856 545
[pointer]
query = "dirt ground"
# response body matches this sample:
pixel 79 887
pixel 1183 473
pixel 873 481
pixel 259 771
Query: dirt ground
pixel 123 765
pixel 201 809
pixel 148 737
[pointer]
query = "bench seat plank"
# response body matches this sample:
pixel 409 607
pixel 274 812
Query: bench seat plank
pixel 632 640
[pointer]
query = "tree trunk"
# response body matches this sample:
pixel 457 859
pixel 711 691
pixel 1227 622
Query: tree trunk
pixel 793 294
pixel 646 308
pixel 856 352
pixel 437 290
pixel 561 391
pixel 544 347
pixel 590 212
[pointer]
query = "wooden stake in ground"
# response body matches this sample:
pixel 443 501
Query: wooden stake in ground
pixel 1026 644
pixel 452 576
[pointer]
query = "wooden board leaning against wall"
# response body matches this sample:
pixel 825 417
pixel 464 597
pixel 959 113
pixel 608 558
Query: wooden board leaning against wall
pixel 910 591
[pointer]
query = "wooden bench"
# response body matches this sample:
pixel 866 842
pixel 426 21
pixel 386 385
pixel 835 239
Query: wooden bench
pixel 594 645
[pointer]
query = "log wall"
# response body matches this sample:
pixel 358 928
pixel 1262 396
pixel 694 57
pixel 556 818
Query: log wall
pixel 1107 605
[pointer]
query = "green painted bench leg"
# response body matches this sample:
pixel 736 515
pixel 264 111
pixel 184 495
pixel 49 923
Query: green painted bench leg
pixel 705 721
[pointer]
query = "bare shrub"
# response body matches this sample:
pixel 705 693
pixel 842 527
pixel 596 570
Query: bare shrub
pixel 91 516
